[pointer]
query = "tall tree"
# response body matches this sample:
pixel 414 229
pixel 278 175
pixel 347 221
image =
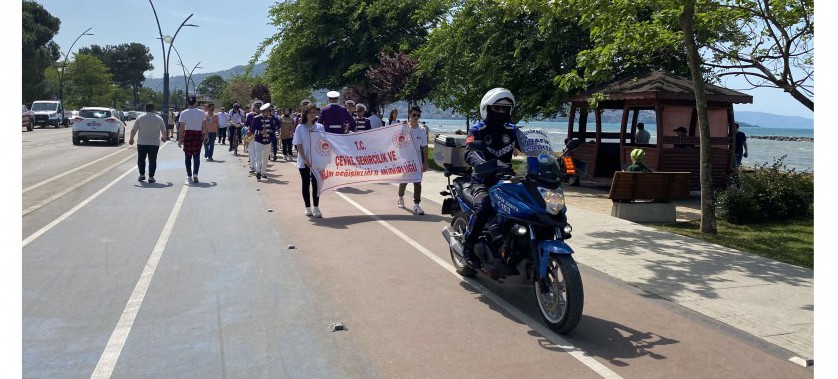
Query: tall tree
pixel 212 86
pixel 88 82
pixel 238 90
pixel 396 77
pixel 127 62
pixel 708 209
pixel 327 44
pixel 485 44
pixel 772 45
pixel 39 51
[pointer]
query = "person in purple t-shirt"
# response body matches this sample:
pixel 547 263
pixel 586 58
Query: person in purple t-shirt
pixel 335 118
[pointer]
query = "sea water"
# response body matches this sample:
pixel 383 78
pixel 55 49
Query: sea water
pixel 798 155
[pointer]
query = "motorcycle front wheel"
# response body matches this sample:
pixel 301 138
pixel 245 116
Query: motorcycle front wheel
pixel 560 296
pixel 459 223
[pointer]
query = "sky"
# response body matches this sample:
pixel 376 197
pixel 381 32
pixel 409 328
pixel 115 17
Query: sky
pixel 222 42
pixel 227 35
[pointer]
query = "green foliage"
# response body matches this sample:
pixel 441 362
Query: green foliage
pixel 238 90
pixel 39 51
pixel 212 86
pixel 626 38
pixel 88 83
pixel 127 62
pixel 484 45
pixel 327 44
pixel 770 193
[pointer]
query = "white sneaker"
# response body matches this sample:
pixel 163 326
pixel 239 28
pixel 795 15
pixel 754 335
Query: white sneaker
pixel 418 210
pixel 400 202
pixel 195 178
pixel 317 213
pixel 188 180
pixel 308 211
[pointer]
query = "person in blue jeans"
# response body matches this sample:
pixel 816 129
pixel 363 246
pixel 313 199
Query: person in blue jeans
pixel 212 131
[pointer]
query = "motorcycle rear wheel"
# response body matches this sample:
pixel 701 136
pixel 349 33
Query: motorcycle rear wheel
pixel 459 223
pixel 561 303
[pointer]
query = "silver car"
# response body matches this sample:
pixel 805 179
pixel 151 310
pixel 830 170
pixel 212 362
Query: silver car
pixel 96 123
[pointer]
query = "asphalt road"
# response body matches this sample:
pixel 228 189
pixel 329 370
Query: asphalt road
pixel 133 280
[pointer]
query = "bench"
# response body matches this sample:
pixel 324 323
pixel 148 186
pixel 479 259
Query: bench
pixel 647 196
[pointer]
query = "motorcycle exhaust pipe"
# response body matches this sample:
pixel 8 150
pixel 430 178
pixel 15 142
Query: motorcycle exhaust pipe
pixel 448 233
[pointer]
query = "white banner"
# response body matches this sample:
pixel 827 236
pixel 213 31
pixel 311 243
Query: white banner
pixel 382 155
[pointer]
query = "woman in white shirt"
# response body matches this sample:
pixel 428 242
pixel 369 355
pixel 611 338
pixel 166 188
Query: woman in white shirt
pixel 302 141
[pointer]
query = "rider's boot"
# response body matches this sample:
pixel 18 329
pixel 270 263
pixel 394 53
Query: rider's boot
pixel 470 257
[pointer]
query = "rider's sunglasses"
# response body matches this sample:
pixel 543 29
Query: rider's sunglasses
pixel 415 114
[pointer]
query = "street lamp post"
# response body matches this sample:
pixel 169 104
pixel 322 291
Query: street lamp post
pixel 170 41
pixel 185 83
pixel 190 79
pixel 64 65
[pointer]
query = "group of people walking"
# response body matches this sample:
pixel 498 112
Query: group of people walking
pixel 265 130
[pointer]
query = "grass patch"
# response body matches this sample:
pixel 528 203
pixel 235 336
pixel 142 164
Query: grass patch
pixel 790 241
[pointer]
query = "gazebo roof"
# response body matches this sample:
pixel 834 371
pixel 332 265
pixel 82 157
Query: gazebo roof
pixel 659 85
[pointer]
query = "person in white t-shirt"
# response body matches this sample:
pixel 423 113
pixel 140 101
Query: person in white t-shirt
pixel 223 119
pixel 302 141
pixel 420 139
pixel 192 129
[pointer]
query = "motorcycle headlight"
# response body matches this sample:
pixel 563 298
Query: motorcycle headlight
pixel 554 200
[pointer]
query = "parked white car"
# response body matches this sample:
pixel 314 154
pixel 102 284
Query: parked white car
pixel 96 123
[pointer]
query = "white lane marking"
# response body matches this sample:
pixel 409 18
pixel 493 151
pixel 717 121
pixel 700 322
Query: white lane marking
pixel 110 355
pixel 557 340
pixel 69 172
pixel 71 188
pixel 69 213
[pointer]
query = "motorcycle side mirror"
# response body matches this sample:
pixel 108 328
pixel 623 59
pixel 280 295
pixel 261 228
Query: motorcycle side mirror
pixel 573 144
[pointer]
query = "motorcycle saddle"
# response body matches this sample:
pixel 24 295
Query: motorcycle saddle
pixel 463 186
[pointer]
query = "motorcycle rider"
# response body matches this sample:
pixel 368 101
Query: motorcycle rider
pixel 500 137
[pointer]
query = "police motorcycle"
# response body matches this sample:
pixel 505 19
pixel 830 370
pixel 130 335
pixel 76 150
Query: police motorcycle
pixel 524 243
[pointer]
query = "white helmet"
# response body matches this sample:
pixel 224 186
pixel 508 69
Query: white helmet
pixel 496 96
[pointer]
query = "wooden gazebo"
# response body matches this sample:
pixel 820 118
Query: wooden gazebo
pixel 673 101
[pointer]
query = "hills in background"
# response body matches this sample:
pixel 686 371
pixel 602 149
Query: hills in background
pixel 768 120
pixel 745 118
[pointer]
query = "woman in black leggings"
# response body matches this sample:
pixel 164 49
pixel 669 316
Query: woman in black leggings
pixel 302 140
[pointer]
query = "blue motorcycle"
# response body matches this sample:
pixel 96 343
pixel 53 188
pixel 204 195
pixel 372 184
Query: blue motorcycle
pixel 524 243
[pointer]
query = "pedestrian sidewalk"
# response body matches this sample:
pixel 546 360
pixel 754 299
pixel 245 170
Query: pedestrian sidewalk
pixel 769 300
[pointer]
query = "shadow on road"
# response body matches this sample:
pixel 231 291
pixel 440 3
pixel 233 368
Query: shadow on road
pixel 154 185
pixel 615 342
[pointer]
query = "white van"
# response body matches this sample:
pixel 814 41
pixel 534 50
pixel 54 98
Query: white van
pixel 49 112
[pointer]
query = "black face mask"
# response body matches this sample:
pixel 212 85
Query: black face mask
pixel 497 119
